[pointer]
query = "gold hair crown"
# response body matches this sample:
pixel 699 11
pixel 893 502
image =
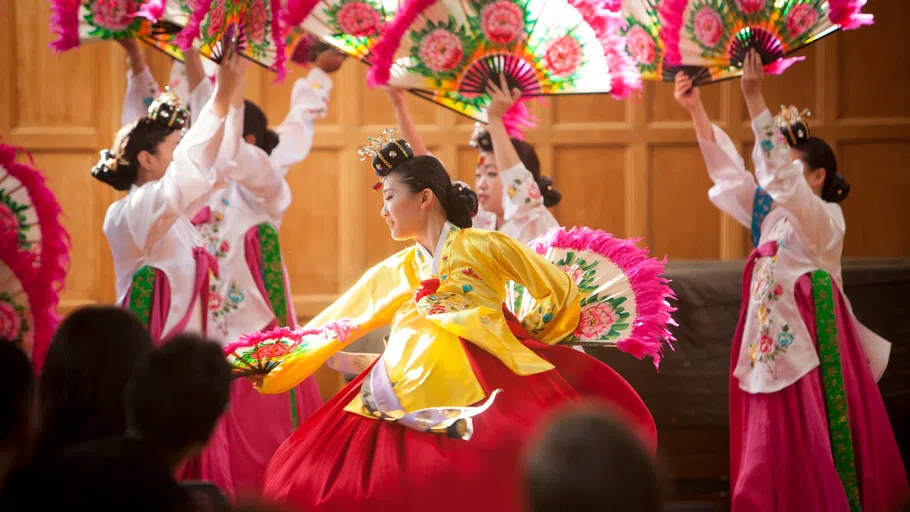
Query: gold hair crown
pixel 374 146
pixel 790 117
pixel 173 114
pixel 374 149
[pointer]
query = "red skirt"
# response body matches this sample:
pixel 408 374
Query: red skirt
pixel 340 461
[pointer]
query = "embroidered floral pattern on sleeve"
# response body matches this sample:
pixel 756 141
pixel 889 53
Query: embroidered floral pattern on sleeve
pixel 222 306
pixel 773 340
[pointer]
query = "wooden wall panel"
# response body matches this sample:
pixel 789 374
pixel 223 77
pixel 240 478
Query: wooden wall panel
pixel 684 223
pixel 628 167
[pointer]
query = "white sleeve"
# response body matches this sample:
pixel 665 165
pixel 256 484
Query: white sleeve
pixel 201 160
pixel 734 187
pixel 819 224
pixel 309 101
pixel 199 97
pixel 520 193
pixel 263 186
pixel 141 90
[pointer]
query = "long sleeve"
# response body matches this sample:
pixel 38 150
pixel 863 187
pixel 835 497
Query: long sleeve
pixel 309 101
pixel 471 313
pixel 201 159
pixel 262 185
pixel 820 225
pixel 734 186
pixel 141 90
pixel 520 193
pixel 199 96
pixel 369 304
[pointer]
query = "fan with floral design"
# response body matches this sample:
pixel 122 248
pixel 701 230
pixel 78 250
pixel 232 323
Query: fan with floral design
pixel 641 29
pixel 716 34
pixel 350 26
pixel 34 249
pixel 78 21
pixel 624 298
pixel 260 353
pixel 209 24
pixel 448 50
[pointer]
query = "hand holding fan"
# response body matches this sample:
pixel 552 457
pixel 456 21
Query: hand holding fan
pixel 34 255
pixel 77 21
pixel 624 298
pixel 448 51
pixel 716 34
pixel 209 24
pixel 258 354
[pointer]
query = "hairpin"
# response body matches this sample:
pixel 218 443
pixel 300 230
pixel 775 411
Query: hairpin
pixel 475 135
pixel 107 163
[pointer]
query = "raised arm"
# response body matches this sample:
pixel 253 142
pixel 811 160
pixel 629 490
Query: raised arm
pixel 201 159
pixel 734 187
pixel 141 87
pixel 819 224
pixel 406 122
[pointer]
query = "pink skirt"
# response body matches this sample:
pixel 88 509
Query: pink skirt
pixel 780 451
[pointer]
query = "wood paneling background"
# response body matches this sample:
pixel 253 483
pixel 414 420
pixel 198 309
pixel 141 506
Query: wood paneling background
pixel 632 168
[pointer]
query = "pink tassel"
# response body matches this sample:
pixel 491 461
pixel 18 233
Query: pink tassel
pixel 389 39
pixel 65 23
pixel 653 311
pixel 671 19
pixel 278 33
pixel 297 11
pixel 191 31
pixel 780 65
pixel 42 279
pixel 846 13
pixel 152 10
pixel 518 118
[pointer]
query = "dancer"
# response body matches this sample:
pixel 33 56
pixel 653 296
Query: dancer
pixel 240 225
pixel 452 345
pixel 513 195
pixel 161 266
pixel 808 428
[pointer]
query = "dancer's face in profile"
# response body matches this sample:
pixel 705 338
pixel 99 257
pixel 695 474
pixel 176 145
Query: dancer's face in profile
pixel 402 209
pixel 488 184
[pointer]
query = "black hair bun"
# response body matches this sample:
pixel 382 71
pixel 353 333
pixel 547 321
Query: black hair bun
pixel 106 171
pixel 551 196
pixel 270 140
pixel 391 155
pixel 462 205
pixel 837 190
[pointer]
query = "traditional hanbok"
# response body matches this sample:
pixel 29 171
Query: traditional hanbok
pixel 808 427
pixel 394 438
pixel 162 267
pixel 239 225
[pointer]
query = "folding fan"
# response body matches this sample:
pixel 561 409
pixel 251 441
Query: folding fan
pixel 715 35
pixel 623 295
pixel 79 21
pixel 448 50
pixel 642 31
pixel 351 26
pixel 207 24
pixel 259 353
pixel 33 256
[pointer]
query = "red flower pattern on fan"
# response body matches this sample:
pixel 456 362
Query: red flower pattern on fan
pixel 595 321
pixel 800 19
pixel 9 225
pixel 503 21
pixel 750 6
pixel 359 19
pixel 641 45
pixel 256 19
pixel 563 57
pixel 216 19
pixel 708 27
pixel 10 323
pixel 441 50
pixel 113 14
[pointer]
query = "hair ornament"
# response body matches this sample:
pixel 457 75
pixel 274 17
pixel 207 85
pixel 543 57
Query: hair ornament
pixel 106 164
pixel 793 124
pixel 166 109
pixel 480 139
pixel 386 152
